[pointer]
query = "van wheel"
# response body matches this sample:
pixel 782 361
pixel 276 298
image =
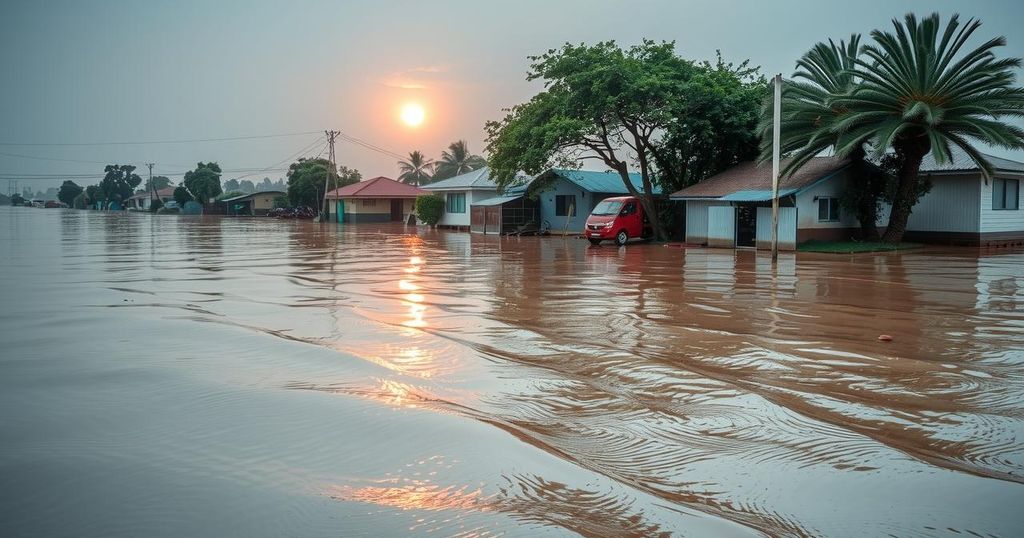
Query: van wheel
pixel 621 238
pixel 595 242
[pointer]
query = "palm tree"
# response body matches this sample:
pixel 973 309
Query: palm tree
pixel 457 160
pixel 416 170
pixel 917 95
pixel 827 70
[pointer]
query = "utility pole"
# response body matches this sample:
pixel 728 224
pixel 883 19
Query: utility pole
pixel 776 132
pixel 153 197
pixel 331 135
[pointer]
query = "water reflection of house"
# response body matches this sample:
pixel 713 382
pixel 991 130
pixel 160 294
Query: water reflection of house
pixel 142 200
pixel 253 204
pixel 379 199
pixel 733 208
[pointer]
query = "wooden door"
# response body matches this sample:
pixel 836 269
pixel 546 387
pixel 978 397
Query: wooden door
pixel 396 209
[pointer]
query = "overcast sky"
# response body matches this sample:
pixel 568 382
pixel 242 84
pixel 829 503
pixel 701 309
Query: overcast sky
pixel 113 71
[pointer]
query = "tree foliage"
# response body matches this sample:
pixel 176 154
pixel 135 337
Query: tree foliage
pixel 181 195
pixel 430 208
pixel 306 178
pixel 157 183
pixel 416 170
pixel 457 160
pixel 118 184
pixel 69 190
pixel 621 107
pixel 203 183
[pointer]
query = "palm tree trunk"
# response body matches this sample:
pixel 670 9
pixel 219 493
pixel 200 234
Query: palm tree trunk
pixel 903 201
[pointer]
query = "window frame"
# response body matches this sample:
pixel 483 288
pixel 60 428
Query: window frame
pixel 830 215
pixel 562 210
pixel 1001 192
pixel 459 205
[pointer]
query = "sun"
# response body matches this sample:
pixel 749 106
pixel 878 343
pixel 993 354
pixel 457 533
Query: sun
pixel 412 114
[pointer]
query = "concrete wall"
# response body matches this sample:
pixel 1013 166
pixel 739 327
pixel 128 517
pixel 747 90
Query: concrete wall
pixel 807 206
pixel 472 196
pixel 585 203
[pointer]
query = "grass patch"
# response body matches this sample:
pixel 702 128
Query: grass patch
pixel 851 247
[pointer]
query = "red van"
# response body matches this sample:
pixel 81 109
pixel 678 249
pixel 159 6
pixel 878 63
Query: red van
pixel 621 219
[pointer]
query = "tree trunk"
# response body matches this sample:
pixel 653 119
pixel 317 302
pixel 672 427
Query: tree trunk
pixel 903 201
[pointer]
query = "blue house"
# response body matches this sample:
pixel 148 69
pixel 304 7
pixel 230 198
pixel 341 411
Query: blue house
pixel 568 196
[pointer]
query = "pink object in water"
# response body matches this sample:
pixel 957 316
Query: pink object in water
pixel 885 338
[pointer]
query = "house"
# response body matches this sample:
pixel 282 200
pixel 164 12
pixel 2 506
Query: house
pixel 734 207
pixel 460 194
pixel 568 196
pixel 963 208
pixel 141 200
pixel 253 204
pixel 512 211
pixel 379 199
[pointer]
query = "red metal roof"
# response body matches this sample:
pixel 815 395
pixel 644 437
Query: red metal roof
pixel 751 176
pixel 378 187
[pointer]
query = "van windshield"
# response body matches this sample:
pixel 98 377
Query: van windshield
pixel 607 207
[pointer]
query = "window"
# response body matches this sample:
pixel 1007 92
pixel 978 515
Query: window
pixel 370 202
pixel 606 208
pixel 1005 194
pixel 828 209
pixel 565 205
pixel 456 202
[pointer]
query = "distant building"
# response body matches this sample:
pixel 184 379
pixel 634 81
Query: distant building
pixel 379 199
pixel 460 194
pixel 142 200
pixel 253 204
pixel 568 196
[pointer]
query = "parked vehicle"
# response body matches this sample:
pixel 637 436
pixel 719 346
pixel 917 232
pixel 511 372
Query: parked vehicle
pixel 620 219
pixel 50 204
pixel 39 203
pixel 292 213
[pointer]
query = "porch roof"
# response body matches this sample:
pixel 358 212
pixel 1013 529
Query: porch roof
pixel 498 200
pixel 755 195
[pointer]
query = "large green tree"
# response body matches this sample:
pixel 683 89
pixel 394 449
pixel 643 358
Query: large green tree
pixel 203 183
pixel 920 89
pixel 69 190
pixel 306 179
pixel 716 112
pixel 456 160
pixel 118 183
pixel 605 103
pixel 416 170
pixel 157 183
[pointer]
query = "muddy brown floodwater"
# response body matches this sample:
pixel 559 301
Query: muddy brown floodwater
pixel 175 376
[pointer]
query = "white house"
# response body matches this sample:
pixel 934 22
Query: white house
pixel 733 208
pixel 461 192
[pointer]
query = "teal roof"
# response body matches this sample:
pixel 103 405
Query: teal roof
pixel 608 181
pixel 754 196
pixel 477 179
pixel 498 200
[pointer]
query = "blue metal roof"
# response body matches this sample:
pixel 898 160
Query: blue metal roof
pixel 477 179
pixel 754 196
pixel 608 181
pixel 498 200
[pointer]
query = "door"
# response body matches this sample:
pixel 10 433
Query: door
pixel 746 226
pixel 396 210
pixel 339 209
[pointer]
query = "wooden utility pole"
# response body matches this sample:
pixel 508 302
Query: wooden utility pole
pixel 331 173
pixel 776 131
pixel 152 188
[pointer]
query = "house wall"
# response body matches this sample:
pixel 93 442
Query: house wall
pixel 697 219
pixel 787 228
pixel 721 226
pixel 953 205
pixel 999 221
pixel 357 210
pixel 472 196
pixel 585 201
pixel 262 202
pixel 807 207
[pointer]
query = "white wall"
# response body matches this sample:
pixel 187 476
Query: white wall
pixel 697 219
pixel 787 228
pixel 472 196
pixel 999 220
pixel 807 206
pixel 721 226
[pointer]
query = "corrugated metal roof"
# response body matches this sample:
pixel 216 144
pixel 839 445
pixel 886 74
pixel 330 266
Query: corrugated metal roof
pixel 477 179
pixel 378 187
pixel 961 162
pixel 498 200
pixel 755 196
pixel 750 176
pixel 251 194
pixel 608 181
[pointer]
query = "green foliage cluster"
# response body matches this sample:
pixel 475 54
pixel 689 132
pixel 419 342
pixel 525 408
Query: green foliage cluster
pixel 118 184
pixel 306 178
pixel 203 183
pixel 181 195
pixel 430 208
pixel 69 190
pixel 157 183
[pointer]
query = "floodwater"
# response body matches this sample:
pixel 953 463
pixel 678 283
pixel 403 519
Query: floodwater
pixel 174 376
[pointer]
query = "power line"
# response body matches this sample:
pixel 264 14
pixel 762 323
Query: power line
pixel 136 143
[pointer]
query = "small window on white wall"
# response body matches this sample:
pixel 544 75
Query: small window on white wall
pixel 828 209
pixel 1005 194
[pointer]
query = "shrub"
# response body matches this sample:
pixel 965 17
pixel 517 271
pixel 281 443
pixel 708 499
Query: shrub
pixel 430 208
pixel 181 195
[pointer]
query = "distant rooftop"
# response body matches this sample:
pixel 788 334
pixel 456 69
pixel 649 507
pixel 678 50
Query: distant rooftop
pixel 378 187
pixel 604 182
pixel 961 162
pixel 477 179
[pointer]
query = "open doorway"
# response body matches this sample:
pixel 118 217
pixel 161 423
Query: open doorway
pixel 746 226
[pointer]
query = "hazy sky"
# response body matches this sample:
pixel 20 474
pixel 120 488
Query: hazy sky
pixel 101 71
